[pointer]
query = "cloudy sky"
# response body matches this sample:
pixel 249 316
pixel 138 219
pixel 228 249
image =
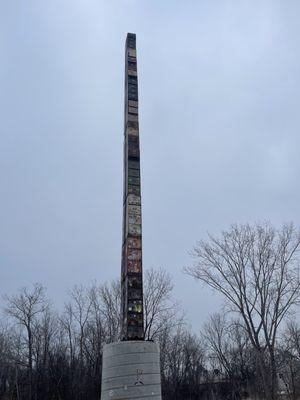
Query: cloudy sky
pixel 219 123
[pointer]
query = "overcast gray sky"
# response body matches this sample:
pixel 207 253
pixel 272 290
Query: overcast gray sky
pixel 219 124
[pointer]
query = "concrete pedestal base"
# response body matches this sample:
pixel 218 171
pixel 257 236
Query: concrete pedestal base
pixel 131 370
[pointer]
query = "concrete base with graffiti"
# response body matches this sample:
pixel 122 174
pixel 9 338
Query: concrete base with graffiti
pixel 131 370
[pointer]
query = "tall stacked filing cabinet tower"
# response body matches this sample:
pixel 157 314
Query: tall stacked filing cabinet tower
pixel 131 367
pixel 131 277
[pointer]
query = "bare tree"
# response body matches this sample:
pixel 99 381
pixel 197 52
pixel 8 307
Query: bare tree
pixel 110 299
pixel 160 309
pixel 68 326
pixel 43 355
pixel 25 308
pixel 229 352
pixel 183 364
pixel 256 268
pixel 81 312
pixel 215 336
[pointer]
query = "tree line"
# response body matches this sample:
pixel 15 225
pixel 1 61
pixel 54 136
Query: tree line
pixel 250 349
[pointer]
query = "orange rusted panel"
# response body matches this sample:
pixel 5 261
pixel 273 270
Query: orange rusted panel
pixel 133 254
pixel 134 243
pixel 134 267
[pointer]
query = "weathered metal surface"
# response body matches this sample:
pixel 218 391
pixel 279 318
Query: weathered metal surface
pixel 135 306
pixel 133 150
pixel 132 67
pixel 132 103
pixel 134 243
pixel 132 80
pixel 132 139
pixel 133 254
pixel 132 285
pixel 131 41
pixel 134 210
pixel 134 164
pixel 132 124
pixel 132 91
pixel 135 267
pixel 134 229
pixel 136 190
pixel 134 224
pixel 131 59
pixel 132 73
pixel 134 172
pixel 131 131
pixel 133 180
pixel 132 52
pixel 132 117
pixel 134 282
pixel 133 110
pixel 137 318
pixel 134 200
pixel 134 332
